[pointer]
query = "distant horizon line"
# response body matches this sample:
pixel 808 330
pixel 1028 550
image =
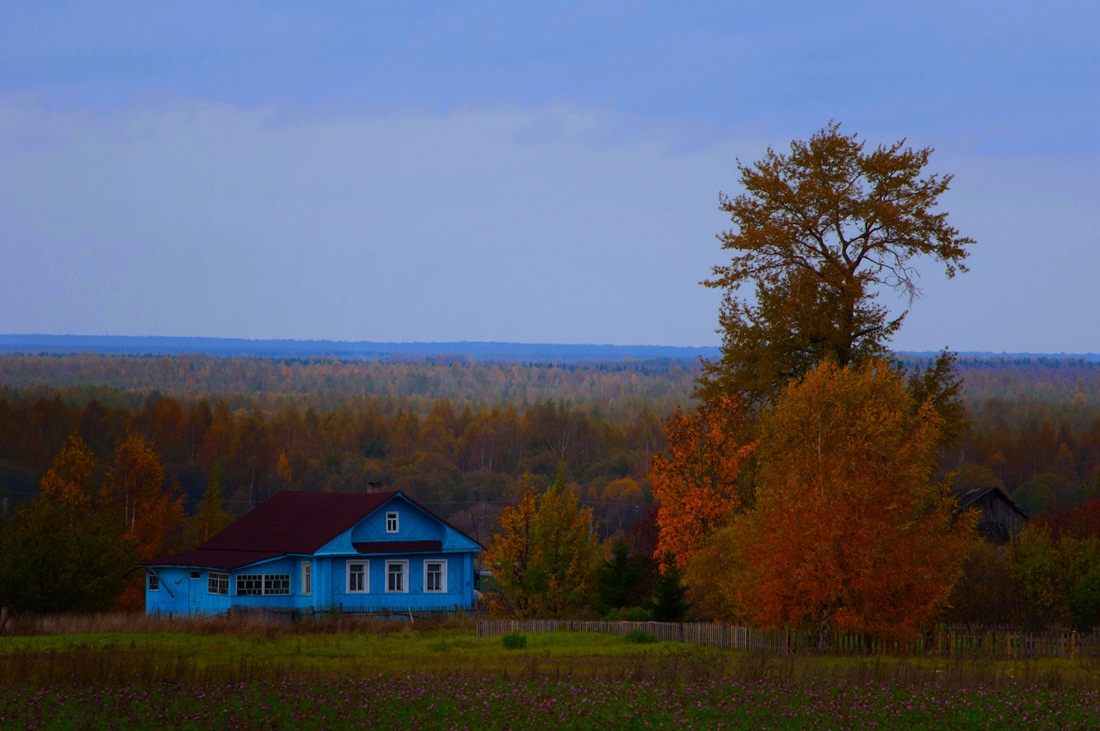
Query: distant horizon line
pixel 478 349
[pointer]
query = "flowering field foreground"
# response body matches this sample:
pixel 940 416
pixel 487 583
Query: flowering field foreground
pixel 432 702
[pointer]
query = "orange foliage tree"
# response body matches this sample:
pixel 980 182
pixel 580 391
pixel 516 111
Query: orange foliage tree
pixel 150 509
pixel 849 532
pixel 696 486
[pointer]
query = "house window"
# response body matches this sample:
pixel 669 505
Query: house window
pixel 307 577
pixel 391 522
pixel 263 584
pixel 196 574
pixel 276 583
pixel 250 584
pixel 217 583
pixel 357 577
pixel 435 576
pixel 154 582
pixel 395 576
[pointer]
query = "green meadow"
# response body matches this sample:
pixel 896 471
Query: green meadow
pixel 424 676
pixel 187 656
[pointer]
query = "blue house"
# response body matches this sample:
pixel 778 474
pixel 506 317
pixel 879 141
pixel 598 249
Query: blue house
pixel 311 550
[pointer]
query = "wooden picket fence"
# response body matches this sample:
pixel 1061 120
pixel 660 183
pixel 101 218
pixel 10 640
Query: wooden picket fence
pixel 943 642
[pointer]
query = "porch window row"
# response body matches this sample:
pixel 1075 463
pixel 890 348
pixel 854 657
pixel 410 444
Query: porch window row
pixel 358 579
pixel 263 584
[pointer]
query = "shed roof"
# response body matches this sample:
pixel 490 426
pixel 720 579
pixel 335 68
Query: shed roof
pixel 970 496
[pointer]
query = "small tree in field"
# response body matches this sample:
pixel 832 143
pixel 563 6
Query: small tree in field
pixel 546 554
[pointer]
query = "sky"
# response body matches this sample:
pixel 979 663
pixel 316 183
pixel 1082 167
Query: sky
pixel 544 172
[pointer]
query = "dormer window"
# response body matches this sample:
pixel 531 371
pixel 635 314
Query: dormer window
pixel 391 522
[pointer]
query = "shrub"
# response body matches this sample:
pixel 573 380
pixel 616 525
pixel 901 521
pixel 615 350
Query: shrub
pixel 638 637
pixel 637 614
pixel 514 641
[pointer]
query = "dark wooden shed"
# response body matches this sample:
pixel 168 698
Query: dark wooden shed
pixel 1000 518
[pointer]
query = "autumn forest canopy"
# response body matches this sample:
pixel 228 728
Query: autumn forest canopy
pixel 802 477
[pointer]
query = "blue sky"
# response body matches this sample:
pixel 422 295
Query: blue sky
pixel 533 172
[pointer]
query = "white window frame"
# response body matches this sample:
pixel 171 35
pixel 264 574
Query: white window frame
pixel 262 584
pixel 255 584
pixel 366 576
pixel 442 575
pixel 215 580
pixel 404 577
pixel 393 522
pixel 276 584
pixel 307 577
pixel 154 582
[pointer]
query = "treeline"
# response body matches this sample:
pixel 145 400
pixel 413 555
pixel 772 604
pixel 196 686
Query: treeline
pixel 621 389
pixel 459 435
pixel 464 463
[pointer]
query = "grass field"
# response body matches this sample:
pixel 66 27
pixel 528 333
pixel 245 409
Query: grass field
pixel 398 676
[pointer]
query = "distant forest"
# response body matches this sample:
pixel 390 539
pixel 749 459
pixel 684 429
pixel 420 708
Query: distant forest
pixel 458 434
pixel 353 350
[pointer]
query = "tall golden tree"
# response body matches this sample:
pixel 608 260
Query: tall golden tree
pixel 512 553
pixel 70 481
pixel 150 508
pixel 697 486
pixel 849 532
pixel 818 233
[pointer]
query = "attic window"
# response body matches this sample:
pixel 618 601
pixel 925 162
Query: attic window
pixel 391 522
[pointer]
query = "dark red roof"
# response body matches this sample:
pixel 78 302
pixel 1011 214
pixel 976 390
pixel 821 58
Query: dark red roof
pixel 225 560
pixel 288 522
pixel 297 522
pixel 398 546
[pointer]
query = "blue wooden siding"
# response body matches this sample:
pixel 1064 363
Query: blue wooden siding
pixel 459 588
pixel 179 594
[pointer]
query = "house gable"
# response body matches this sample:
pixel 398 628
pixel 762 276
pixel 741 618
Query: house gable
pixel 417 531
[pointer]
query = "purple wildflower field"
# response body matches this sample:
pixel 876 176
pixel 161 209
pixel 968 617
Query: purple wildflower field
pixel 469 702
